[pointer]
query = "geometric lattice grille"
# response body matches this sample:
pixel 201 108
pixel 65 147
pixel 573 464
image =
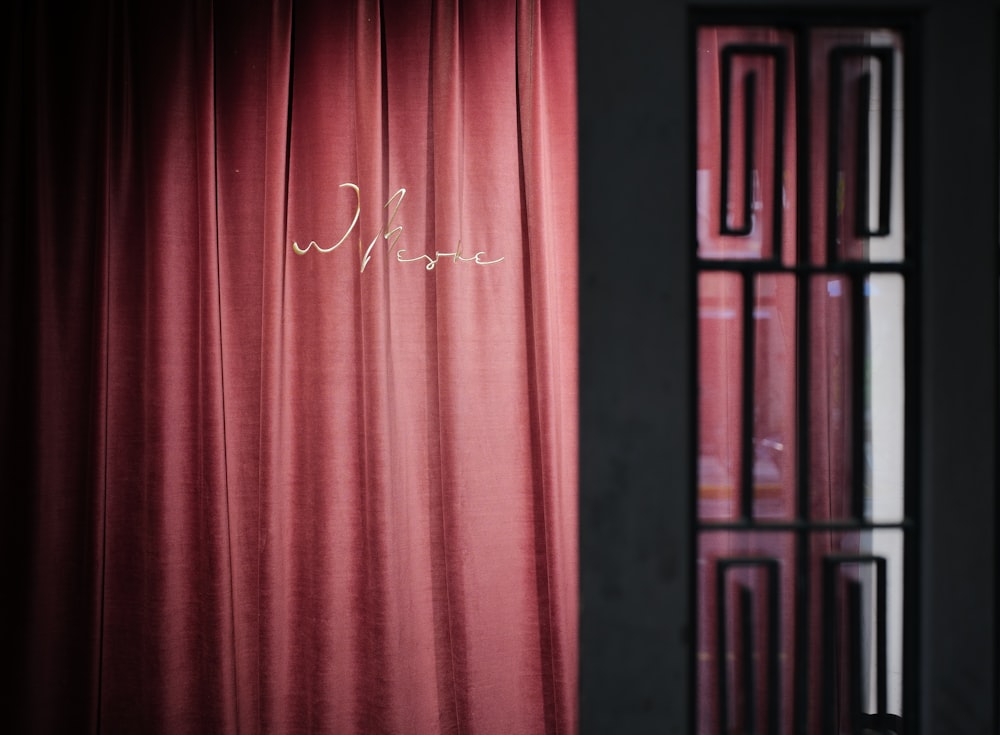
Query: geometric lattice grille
pixel 805 514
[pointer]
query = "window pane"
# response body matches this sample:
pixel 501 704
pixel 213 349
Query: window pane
pixel 745 139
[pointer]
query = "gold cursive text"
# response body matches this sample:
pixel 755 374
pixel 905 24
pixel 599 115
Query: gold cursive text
pixel 390 234
pixel 456 257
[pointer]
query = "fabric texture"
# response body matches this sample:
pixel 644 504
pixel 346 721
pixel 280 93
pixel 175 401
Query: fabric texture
pixel 288 347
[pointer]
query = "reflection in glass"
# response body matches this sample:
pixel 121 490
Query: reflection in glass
pixel 774 404
pixel 746 139
pixel 720 395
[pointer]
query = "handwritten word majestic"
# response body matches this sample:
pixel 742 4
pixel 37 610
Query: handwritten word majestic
pixel 390 235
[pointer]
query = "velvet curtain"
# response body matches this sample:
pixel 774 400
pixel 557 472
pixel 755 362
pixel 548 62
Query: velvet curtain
pixel 288 347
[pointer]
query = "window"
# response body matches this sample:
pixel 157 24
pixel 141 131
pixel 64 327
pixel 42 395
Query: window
pixel 803 518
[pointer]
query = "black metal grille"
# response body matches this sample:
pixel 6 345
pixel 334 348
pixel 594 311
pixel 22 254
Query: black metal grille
pixel 805 559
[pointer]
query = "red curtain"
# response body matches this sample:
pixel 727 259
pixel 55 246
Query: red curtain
pixel 260 490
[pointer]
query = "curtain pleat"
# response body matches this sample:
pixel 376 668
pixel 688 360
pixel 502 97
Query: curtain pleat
pixel 255 489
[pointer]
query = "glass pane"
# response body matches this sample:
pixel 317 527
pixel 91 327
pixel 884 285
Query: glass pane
pixel 762 453
pixel 886 387
pixel 856 398
pixel 720 396
pixel 855 632
pixel 750 673
pixel 746 139
pixel 831 399
pixel 774 399
pixel 857 142
pixel 746 631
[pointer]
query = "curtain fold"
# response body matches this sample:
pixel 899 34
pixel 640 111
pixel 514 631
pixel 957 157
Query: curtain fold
pixel 290 379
